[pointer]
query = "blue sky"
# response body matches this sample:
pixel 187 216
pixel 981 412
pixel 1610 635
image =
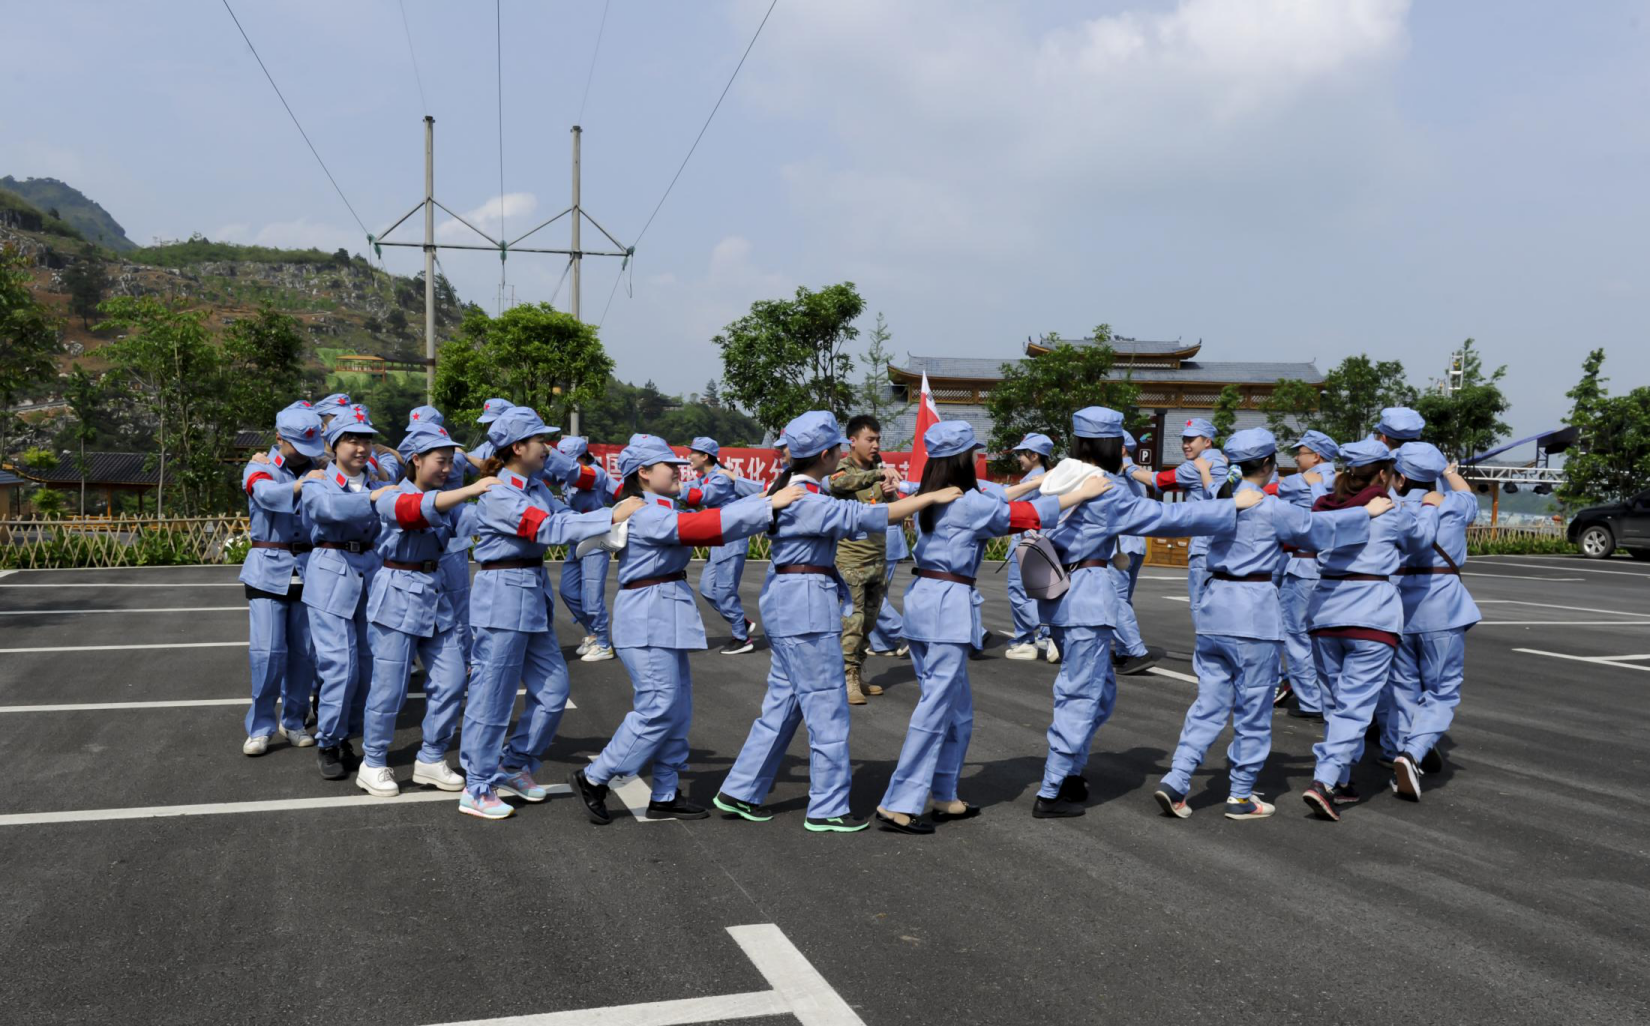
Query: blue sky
pixel 1284 179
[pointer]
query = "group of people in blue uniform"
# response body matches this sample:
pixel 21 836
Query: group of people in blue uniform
pixel 359 566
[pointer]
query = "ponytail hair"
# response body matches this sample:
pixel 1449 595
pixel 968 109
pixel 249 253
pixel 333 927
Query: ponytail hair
pixel 944 472
pixel 491 466
pixel 1355 479
pixel 1247 468
pixel 633 488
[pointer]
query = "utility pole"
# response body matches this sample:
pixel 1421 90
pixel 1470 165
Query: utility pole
pixel 573 417
pixel 429 259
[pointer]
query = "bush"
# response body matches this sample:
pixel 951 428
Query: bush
pixel 1517 546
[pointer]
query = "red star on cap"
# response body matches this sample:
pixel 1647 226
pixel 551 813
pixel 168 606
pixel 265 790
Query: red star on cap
pixel 1188 423
pixel 342 401
pixel 442 430
pixel 362 417
pixel 415 416
pixel 309 432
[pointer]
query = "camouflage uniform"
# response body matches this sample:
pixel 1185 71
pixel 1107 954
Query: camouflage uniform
pixel 863 564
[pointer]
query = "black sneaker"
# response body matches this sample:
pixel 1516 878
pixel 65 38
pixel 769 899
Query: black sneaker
pixel 332 763
pixel 1074 789
pixel 1321 800
pixel 594 797
pixel 1056 808
pixel 1140 663
pixel 744 810
pixel 677 808
pixel 1284 692
pixel 1346 794
pixel 1305 714
pixel 346 752
pixel 737 646
pixel 1432 762
pixel 836 824
pixel 1406 777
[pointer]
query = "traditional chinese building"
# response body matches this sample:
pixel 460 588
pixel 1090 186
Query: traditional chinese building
pixel 1175 386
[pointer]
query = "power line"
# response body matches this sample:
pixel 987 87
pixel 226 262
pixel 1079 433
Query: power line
pixel 554 295
pixel 592 73
pixel 498 23
pixel 294 118
pixel 411 53
pixel 615 291
pixel 706 125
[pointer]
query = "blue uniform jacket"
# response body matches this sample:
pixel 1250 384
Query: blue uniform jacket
pixel 1249 609
pixel 591 490
pixel 520 519
pixel 1372 604
pixel 1297 491
pixel 275 517
pixel 661 542
pixel 807 531
pixel 949 611
pixel 1034 474
pixel 410 601
pixel 336 579
pixel 1439 602
pixel 1188 480
pixel 1089 531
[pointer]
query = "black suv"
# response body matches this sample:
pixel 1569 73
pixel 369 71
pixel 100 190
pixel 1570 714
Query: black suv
pixel 1600 530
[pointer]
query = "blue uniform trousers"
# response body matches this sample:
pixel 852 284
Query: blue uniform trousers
pixel 1197 578
pixel 1427 672
pixel 1353 672
pixel 455 581
pixel 1126 635
pixel 805 685
pixel 584 590
pixel 1235 678
pixel 1084 694
pixel 502 657
pixel 656 728
pixel 1028 628
pixel 1294 594
pixel 392 654
pixel 281 666
pixel 343 665
pixel 942 723
pixel 719 585
pixel 885 636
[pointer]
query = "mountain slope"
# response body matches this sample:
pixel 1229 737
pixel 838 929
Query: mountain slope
pixel 84 214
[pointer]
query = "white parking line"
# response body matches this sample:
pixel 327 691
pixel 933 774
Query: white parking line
pixel 138 609
pixel 1176 598
pixel 182 703
pixel 634 793
pixel 232 808
pixel 798 990
pixel 126 648
pixel 176 584
pixel 1595 660
pixel 1549 605
pixel 1176 674
pixel 1569 566
pixel 1562 623
pixel 1518 577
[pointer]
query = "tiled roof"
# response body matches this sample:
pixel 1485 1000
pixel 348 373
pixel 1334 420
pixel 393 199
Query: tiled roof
pixel 1241 372
pixel 8 478
pixel 102 468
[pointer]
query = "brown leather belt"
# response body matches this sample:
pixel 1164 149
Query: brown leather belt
pixel 429 566
pixel 942 575
pixel 1355 577
pixel 805 568
pixel 356 547
pixel 1221 575
pixel 1298 553
pixel 648 582
pixel 1084 564
pixel 296 548
pixel 511 564
pixel 1422 571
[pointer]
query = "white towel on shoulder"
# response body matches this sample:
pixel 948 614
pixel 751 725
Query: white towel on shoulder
pixel 1066 475
pixel 613 541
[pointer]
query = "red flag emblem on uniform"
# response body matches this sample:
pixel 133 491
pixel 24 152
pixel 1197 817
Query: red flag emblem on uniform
pixel 343 482
pixel 517 482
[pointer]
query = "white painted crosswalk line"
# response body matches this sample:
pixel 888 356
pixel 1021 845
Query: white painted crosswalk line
pixel 125 648
pixel 364 801
pixel 1176 674
pixel 181 703
pixel 139 609
pixel 1595 660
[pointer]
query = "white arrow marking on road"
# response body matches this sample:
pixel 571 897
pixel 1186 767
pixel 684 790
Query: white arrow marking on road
pixel 798 990
pixel 1595 660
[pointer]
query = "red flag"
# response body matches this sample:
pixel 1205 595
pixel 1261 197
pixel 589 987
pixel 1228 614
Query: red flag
pixel 927 416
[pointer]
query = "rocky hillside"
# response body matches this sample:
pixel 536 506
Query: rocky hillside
pixel 63 201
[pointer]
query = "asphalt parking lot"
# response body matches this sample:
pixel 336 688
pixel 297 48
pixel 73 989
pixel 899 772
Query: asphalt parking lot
pixel 1516 891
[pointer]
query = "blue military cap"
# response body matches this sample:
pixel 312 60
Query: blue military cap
pixel 1401 424
pixel 811 434
pixel 1364 452
pixel 425 415
pixel 707 446
pixel 300 404
pixel 645 451
pixel 1043 445
pixel 1250 444
pixel 1097 422
pixel 329 407
pixel 423 437
pixel 351 420
pixel 513 425
pixel 492 408
pixel 948 438
pixel 1128 440
pixel 638 438
pixel 1198 427
pixel 301 426
pixel 1319 443
pixel 1419 461
pixel 573 446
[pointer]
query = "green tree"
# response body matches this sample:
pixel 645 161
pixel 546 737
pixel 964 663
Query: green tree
pixel 1467 420
pixel 713 394
pixel 533 353
pixel 1291 410
pixel 264 356
pixel 1610 460
pixel 397 322
pixel 28 340
pixel 788 356
pixel 87 395
pixel 1041 393
pixel 1355 393
pixel 1226 407
pixel 87 281
pixel 875 397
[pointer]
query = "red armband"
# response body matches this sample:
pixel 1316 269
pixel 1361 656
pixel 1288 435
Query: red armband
pixel 699 528
pixel 1271 489
pixel 255 478
pixel 409 513
pixel 1166 480
pixel 694 496
pixel 586 478
pixel 1023 516
pixel 530 521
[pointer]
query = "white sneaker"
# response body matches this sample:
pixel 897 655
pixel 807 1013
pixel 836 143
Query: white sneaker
pixel 438 775
pixel 597 654
pixel 299 738
pixel 1024 650
pixel 1053 653
pixel 584 646
pixel 377 781
pixel 255 745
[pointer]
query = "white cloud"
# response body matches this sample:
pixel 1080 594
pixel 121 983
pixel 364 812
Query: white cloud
pixel 515 210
